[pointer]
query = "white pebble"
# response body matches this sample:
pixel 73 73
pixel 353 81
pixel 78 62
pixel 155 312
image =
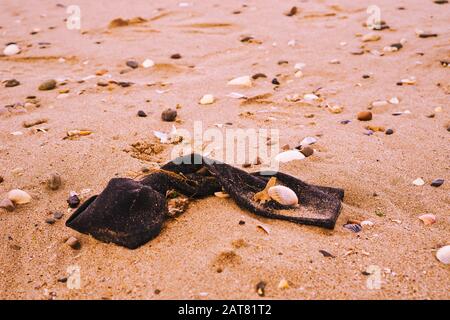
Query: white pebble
pixel 244 81
pixel 418 182
pixel 148 63
pixel 207 99
pixel 11 50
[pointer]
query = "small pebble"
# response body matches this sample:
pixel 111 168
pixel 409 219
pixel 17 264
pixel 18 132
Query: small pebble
pixel 389 131
pixel 141 114
pixel 176 56
pixel 7 204
pixel 148 63
pixel 365 76
pixel 169 115
pixel 275 81
pixel 437 182
pixel 244 81
pixel 11 49
pixel 241 222
pixel 1 179
pixel 58 215
pixel 73 243
pixel 48 85
pixel 307 151
pixel 207 99
pixel 50 220
pixel 364 116
pixel 73 201
pixel 11 83
pixel 258 75
pixel 54 181
pixel 418 182
pixel 260 289
pixel 291 12
pixel 132 64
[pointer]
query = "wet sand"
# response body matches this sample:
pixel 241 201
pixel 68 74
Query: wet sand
pixel 375 170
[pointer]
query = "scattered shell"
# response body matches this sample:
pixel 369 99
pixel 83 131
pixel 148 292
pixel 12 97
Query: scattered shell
pixel 283 195
pixel 353 227
pixel 18 196
pixel 73 243
pixel 263 228
pixel 289 155
pixel 409 81
pixel 221 194
pixel 307 151
pixel 54 181
pixel 148 63
pixel 310 97
pixel 335 109
pixel 308 141
pixel 169 115
pixel 371 37
pixel 207 99
pixel 244 81
pixel 443 255
pixel 418 182
pixel 283 284
pixel 11 49
pixel 367 223
pixel 437 182
pixel 47 85
pixel 364 116
pixel 428 218
pixel 7 204
pixel 394 100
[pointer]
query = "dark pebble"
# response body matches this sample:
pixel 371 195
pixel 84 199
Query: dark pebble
pixel 157 291
pixel 258 75
pixel 241 222
pixel 292 12
pixel 246 39
pixel 58 215
pixel 176 56
pixel 141 114
pixel 437 182
pixel 427 35
pixel 50 220
pixel 389 131
pixel 62 280
pixel 132 64
pixel 246 165
pixel 326 254
pixel 345 121
pixel 7 204
pixel 1 179
pixel 11 83
pixel 275 81
pixel 307 151
pixel 364 116
pixel 441 1
pixel 397 45
pixel 169 115
pixel 73 201
pixel 444 63
pixel 365 76
pixel 124 84
pixel 261 288
pixel 47 85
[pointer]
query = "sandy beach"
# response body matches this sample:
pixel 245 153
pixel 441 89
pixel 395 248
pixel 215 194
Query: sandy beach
pixel 216 250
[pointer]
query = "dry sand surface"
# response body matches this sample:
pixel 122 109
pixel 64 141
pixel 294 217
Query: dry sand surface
pixel 377 171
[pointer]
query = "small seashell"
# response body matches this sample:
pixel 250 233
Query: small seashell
pixel 244 81
pixel 418 182
pixel 394 100
pixel 283 195
pixel 428 218
pixel 308 141
pixel 221 194
pixel 298 74
pixel 207 99
pixel 263 228
pixel 283 284
pixel 18 196
pixel 299 66
pixel 310 97
pixel 7 204
pixel 148 63
pixel 11 49
pixel 443 255
pixel 289 155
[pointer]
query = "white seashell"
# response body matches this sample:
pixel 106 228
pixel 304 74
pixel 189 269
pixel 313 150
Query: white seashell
pixel 443 255
pixel 428 218
pixel 236 95
pixel 19 196
pixel 11 50
pixel 371 37
pixel 418 182
pixel 289 155
pixel 221 194
pixel 394 100
pixel 367 223
pixel 310 97
pixel 244 81
pixel 307 141
pixel 283 195
pixel 299 66
pixel 207 99
pixel 148 63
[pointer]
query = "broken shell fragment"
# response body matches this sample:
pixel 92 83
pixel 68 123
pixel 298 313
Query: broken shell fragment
pixel 428 219
pixel 221 194
pixel 289 155
pixel 443 255
pixel 283 195
pixel 207 99
pixel 18 196
pixel 244 81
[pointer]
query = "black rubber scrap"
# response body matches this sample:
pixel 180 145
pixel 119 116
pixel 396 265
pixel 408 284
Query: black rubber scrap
pixel 130 213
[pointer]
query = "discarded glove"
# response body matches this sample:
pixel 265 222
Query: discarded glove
pixel 130 213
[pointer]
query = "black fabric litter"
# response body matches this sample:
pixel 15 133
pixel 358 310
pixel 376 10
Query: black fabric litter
pixel 130 213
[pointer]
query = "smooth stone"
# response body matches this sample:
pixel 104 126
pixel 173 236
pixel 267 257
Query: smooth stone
pixel 364 116
pixel 176 56
pixel 207 99
pixel 58 215
pixel 48 85
pixel 50 220
pixel 148 63
pixel 307 151
pixel 437 182
pixel 73 243
pixel 8 205
pixel 11 83
pixel 54 181
pixel 169 115
pixel 275 81
pixel 258 75
pixel 73 201
pixel 132 64
pixel 244 81
pixel 389 131
pixel 1 179
pixel 141 114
